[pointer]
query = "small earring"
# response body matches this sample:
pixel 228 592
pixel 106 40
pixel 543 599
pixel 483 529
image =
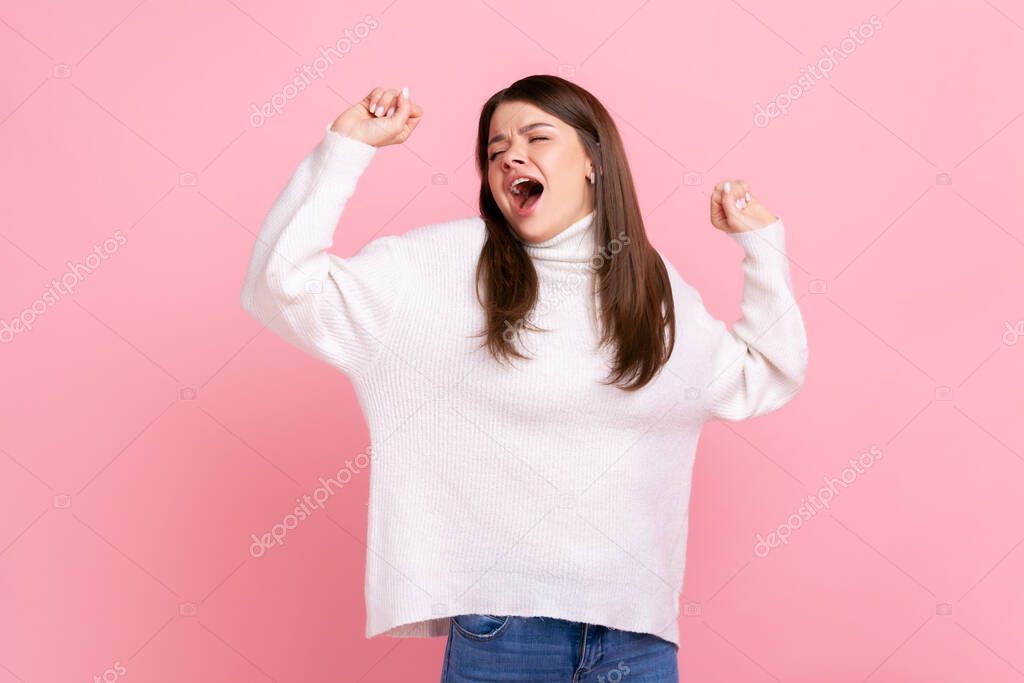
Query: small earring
pixel 591 177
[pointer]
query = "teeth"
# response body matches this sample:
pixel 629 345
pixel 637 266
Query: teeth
pixel 516 183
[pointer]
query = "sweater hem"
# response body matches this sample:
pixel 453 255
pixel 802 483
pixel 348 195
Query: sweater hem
pixel 620 606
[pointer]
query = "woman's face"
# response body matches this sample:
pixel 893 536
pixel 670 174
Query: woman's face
pixel 524 140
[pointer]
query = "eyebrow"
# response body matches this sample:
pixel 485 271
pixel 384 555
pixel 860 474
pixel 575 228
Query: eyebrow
pixel 501 136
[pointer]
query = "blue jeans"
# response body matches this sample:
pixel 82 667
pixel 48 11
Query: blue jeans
pixel 482 648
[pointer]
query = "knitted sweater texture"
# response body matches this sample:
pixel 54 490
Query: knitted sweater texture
pixel 530 490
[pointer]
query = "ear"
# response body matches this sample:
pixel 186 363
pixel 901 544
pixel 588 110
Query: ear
pixel 591 166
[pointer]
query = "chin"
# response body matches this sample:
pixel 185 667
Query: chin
pixel 523 232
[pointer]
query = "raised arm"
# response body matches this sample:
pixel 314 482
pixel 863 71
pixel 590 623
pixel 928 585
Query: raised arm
pixel 760 364
pixel 337 309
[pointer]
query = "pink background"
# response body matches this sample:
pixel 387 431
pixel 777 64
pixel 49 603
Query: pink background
pixel 149 427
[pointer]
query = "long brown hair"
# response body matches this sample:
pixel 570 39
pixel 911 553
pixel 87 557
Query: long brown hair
pixel 636 310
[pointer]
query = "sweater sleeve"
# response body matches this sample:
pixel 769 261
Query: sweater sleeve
pixel 759 365
pixel 336 309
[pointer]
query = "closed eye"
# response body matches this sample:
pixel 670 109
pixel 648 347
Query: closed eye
pixel 533 139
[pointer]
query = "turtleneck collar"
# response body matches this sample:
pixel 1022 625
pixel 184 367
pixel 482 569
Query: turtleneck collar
pixel 574 244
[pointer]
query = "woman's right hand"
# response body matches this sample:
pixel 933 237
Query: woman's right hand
pixel 363 122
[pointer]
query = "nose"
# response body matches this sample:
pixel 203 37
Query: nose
pixel 512 156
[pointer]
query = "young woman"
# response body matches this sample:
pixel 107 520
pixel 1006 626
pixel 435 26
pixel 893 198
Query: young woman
pixel 535 380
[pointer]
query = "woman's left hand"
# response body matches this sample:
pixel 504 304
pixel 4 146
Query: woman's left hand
pixel 735 209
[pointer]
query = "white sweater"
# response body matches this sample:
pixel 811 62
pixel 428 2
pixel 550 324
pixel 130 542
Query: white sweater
pixel 532 490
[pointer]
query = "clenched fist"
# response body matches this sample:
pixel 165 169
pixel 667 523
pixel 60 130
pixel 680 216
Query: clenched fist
pixel 384 117
pixel 733 209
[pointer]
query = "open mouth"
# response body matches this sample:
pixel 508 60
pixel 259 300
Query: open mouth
pixel 526 192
